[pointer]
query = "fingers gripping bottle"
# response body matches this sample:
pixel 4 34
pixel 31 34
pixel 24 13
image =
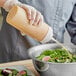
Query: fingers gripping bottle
pixel 17 17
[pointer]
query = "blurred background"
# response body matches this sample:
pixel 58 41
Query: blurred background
pixel 66 36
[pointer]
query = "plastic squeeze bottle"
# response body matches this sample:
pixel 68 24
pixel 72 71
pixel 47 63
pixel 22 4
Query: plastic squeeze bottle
pixel 17 17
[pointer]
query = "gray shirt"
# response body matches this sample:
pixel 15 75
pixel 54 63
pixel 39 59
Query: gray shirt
pixel 13 46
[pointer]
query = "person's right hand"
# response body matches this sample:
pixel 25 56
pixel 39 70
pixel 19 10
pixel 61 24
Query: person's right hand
pixel 34 16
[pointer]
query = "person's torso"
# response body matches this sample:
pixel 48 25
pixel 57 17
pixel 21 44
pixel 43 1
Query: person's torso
pixel 56 13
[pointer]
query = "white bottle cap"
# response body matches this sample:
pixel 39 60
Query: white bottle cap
pixel 48 37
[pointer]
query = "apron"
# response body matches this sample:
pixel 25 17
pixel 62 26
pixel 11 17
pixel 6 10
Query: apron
pixel 13 46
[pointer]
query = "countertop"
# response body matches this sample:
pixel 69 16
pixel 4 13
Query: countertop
pixel 27 63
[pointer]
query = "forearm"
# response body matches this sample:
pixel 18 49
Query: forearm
pixel 2 2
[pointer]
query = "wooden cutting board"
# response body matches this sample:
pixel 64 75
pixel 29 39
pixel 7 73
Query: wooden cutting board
pixel 27 63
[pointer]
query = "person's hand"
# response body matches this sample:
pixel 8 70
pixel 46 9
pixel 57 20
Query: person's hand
pixel 33 15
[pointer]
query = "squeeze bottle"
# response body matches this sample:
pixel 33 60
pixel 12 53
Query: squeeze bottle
pixel 17 17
